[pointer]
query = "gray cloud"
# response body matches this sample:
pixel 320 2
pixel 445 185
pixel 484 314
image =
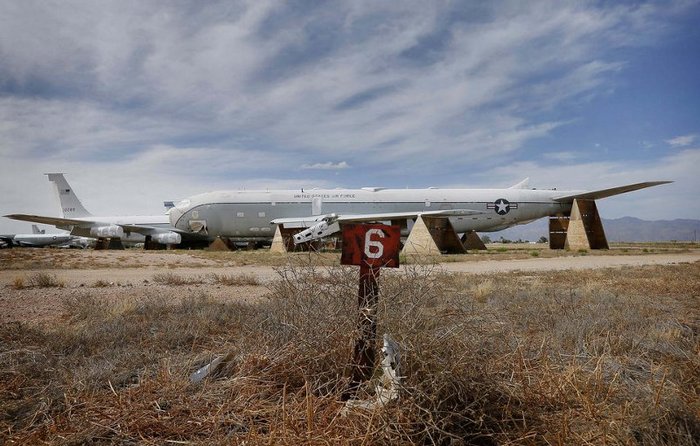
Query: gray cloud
pixel 326 166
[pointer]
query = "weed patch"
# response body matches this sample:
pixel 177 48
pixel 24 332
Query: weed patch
pixel 18 283
pixel 610 358
pixel 44 280
pixel 176 280
pixel 235 279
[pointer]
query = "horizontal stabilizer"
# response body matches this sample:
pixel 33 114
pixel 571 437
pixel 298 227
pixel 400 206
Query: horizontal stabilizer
pixel 604 193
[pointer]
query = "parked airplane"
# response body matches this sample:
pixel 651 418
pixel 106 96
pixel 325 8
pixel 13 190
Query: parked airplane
pixel 253 215
pixel 39 239
pixel 76 219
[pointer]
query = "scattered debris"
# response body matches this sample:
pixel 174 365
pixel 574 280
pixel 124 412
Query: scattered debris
pixel 214 369
pixel 387 389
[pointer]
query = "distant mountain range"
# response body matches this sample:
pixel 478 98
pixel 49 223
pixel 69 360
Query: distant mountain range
pixel 625 229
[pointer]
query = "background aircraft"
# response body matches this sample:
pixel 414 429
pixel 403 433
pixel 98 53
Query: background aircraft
pixel 253 215
pixel 76 219
pixel 39 238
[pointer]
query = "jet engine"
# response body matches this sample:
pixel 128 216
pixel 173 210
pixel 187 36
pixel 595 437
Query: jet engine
pixel 111 231
pixel 167 238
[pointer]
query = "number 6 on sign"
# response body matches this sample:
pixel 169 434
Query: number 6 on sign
pixel 371 245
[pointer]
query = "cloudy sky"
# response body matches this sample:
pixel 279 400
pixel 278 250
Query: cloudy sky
pixel 140 102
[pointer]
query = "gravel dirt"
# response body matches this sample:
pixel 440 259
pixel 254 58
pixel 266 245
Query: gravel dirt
pixel 129 275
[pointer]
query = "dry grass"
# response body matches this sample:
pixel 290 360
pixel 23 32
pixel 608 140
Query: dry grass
pixel 263 257
pixel 173 279
pixel 176 280
pixel 44 280
pixel 593 357
pixel 235 279
pixel 483 289
pixel 49 259
pixel 18 283
pixel 101 283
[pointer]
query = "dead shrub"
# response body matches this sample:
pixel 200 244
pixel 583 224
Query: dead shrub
pixel 235 279
pixel 18 283
pixel 44 280
pixel 176 280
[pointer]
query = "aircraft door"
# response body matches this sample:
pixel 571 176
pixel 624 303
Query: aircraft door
pixel 316 206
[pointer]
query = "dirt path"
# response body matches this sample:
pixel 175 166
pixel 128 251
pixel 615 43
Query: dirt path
pixel 570 263
pixel 130 277
pixel 265 274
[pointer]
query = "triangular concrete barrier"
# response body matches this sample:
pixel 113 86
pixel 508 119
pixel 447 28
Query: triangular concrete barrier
pixel 471 240
pixel 585 229
pixel 109 243
pixel 557 231
pixel 278 243
pixel 431 236
pixel 220 244
pixel 419 241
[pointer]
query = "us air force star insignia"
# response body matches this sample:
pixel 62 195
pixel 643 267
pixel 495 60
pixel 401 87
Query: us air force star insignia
pixel 502 206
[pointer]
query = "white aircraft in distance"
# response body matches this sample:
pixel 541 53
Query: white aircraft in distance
pixel 39 239
pixel 76 219
pixel 252 215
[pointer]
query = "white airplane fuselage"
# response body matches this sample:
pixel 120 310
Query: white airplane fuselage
pixel 39 240
pixel 247 214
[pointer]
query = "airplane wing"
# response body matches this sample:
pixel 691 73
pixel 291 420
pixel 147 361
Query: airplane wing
pixel 55 221
pixel 306 222
pixel 139 229
pixel 151 230
pixel 604 193
pixel 168 236
pixel 324 225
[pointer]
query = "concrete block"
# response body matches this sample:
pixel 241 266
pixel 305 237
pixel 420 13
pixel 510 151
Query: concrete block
pixel 585 229
pixel 471 240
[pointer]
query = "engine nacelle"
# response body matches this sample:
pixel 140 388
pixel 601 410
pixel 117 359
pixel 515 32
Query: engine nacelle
pixel 324 228
pixel 167 238
pixel 111 231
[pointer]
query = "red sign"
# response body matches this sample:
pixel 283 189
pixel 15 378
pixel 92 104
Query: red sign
pixel 371 245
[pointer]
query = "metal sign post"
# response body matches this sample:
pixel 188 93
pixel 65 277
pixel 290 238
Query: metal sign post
pixel 371 246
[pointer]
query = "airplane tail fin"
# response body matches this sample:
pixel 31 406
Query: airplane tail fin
pixel 36 230
pixel 71 207
pixel 524 184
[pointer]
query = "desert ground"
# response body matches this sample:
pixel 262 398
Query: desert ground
pixel 515 345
